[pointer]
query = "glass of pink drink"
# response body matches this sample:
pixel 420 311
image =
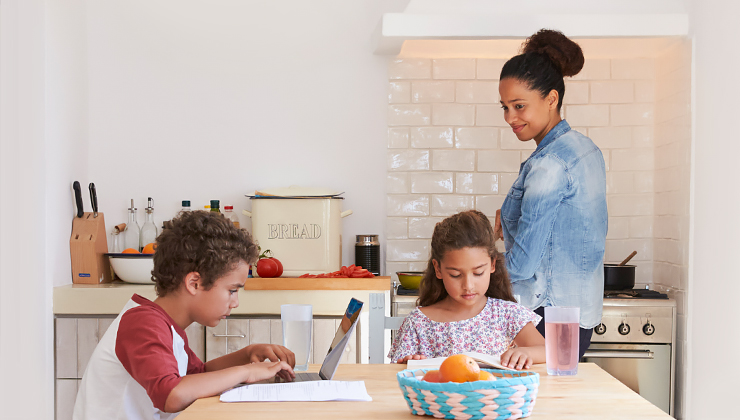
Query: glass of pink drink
pixel 561 340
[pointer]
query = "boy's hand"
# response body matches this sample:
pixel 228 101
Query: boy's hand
pixel 271 352
pixel 516 358
pixel 260 371
pixel 411 357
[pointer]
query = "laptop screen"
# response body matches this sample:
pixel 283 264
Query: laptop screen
pixel 341 338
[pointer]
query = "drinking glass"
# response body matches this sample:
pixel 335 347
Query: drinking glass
pixel 297 326
pixel 562 334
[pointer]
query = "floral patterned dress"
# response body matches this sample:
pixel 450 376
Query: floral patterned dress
pixel 490 332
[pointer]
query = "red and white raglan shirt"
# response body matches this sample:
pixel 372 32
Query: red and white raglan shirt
pixel 140 359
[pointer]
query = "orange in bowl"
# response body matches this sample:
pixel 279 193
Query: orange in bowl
pixel 459 368
pixel 485 375
pixel 149 248
pixel 432 376
pixel 130 251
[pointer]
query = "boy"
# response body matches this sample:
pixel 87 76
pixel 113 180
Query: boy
pixel 143 368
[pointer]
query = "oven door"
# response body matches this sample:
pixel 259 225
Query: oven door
pixel 644 368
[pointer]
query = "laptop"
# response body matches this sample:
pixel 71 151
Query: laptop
pixel 337 347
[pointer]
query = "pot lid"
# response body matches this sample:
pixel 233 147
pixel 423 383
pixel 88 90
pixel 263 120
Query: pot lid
pixel 295 191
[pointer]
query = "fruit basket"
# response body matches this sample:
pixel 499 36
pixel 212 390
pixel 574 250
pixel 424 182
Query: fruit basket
pixel 511 396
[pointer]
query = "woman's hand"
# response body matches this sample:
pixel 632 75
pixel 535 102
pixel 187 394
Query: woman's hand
pixel 411 357
pixel 260 371
pixel 269 352
pixel 517 358
pixel 497 229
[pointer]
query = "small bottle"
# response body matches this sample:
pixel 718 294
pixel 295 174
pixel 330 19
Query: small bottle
pixel 185 205
pixel 148 229
pixel 132 231
pixel 229 214
pixel 207 207
pixel 215 206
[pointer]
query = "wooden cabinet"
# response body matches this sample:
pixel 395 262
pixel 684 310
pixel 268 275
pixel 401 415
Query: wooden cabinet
pixel 236 332
pixel 75 339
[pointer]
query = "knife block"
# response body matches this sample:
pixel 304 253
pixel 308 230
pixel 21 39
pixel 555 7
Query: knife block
pixel 87 247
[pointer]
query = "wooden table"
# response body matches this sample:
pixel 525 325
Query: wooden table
pixel 593 393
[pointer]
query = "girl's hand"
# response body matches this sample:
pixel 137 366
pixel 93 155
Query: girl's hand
pixel 260 371
pixel 411 357
pixel 516 358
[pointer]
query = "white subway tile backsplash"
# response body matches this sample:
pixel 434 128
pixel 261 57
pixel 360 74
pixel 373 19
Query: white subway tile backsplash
pixel 641 227
pixel 633 69
pixel 612 92
pixel 645 91
pixel 392 267
pixel 670 251
pixel 619 228
pixel 408 160
pixel 453 114
pixel 422 227
pixel 618 249
pixel 399 92
pixel 431 182
pixel 432 91
pixel 632 114
pixel 644 182
pixel 620 183
pixel 447 205
pixel 611 137
pixel 418 265
pixel 488 204
pixel 490 116
pixel 576 93
pixel 477 92
pixel 397 228
pixel 398 138
pixel 643 136
pixel 671 203
pixel 476 138
pixel 453 160
pixel 632 160
pixel 431 137
pixel 407 205
pixel 409 115
pixel 509 141
pixel 409 250
pixel 498 161
pixel 594 69
pixel 410 68
pixel 453 68
pixel 489 68
pixel 397 183
pixel 587 115
pixel 505 181
pixel 630 205
pixel 472 183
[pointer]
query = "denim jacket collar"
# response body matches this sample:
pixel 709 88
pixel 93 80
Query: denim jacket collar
pixel 560 128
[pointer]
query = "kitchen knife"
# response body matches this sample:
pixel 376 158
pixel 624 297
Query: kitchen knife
pixel 93 199
pixel 78 198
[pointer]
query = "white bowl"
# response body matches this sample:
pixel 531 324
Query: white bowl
pixel 133 268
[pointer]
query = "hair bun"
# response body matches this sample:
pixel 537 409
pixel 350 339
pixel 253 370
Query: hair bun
pixel 564 53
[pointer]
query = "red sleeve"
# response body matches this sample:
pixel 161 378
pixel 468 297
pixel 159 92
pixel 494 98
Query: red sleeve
pixel 195 365
pixel 144 347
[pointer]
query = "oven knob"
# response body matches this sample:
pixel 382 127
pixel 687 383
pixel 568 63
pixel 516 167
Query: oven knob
pixel 600 329
pixel 623 329
pixel 648 329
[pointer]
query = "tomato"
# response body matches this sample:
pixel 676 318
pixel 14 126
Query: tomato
pixel 280 266
pixel 269 267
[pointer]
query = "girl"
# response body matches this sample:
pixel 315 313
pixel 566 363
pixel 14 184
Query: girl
pixel 554 218
pixel 466 302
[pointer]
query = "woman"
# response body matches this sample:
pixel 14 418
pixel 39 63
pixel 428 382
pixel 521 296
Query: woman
pixel 554 218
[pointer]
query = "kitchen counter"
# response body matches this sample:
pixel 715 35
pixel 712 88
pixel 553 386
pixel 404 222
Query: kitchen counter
pixel 260 296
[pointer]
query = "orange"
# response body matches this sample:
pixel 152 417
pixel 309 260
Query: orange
pixel 432 376
pixel 149 248
pixel 485 375
pixel 130 251
pixel 459 368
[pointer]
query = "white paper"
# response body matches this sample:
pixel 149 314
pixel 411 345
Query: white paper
pixel 484 361
pixel 299 391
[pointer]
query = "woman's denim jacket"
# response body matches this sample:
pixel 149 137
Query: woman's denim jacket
pixel 554 222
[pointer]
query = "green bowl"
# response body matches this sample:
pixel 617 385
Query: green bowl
pixel 410 279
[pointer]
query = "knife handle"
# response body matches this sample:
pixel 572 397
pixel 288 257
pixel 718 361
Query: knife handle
pixel 78 198
pixel 93 199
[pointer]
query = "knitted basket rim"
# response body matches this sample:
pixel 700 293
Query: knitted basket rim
pixel 407 377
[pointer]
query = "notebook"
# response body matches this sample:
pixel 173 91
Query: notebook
pixel 337 347
pixel 484 360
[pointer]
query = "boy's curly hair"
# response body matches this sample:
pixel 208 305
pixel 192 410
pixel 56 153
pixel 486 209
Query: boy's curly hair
pixel 202 242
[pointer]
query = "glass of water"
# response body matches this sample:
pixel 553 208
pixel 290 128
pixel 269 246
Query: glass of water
pixel 297 327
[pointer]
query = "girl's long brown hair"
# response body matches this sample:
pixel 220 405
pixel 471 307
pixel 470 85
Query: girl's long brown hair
pixel 471 229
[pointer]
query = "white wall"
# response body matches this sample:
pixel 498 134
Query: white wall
pixel 714 287
pixel 26 390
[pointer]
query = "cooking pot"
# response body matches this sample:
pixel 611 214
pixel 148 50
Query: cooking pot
pixel 619 277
